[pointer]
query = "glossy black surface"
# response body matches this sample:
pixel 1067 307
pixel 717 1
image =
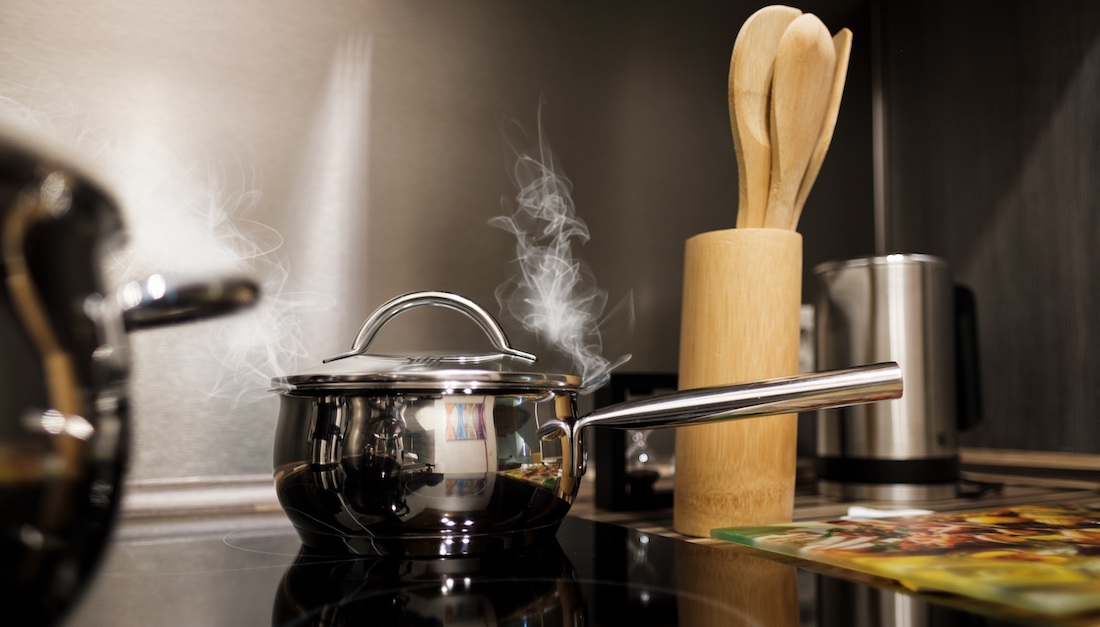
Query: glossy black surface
pixel 532 586
pixel 255 571
pixel 64 417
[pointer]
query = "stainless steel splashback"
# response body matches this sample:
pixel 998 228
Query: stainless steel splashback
pixel 346 151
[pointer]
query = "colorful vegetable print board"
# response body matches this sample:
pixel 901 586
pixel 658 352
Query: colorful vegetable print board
pixel 1043 558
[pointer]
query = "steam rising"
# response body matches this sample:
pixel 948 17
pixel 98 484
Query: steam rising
pixel 185 219
pixel 192 222
pixel 552 294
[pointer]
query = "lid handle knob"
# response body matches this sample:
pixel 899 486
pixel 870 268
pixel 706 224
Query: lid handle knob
pixel 401 304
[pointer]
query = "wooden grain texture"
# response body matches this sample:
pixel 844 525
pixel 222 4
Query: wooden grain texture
pixel 740 322
pixel 801 90
pixel 842 42
pixel 993 154
pixel 752 64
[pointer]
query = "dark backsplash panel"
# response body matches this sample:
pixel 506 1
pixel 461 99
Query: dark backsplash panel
pixel 992 158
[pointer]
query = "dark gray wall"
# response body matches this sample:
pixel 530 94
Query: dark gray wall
pixel 993 151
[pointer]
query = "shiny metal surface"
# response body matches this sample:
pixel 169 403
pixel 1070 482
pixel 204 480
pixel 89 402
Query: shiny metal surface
pixel 63 427
pixel 899 308
pixel 157 301
pixel 890 308
pixel 64 422
pixel 371 472
pixel 888 492
pixel 509 369
pixel 357 147
pixel 400 304
pixel 423 454
pixel 420 474
pixel 784 395
pixel 438 464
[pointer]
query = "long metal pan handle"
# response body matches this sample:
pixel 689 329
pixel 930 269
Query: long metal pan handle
pixel 768 397
pixel 156 301
pixel 783 395
pixel 401 304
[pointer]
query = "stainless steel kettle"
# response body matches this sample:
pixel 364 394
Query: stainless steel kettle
pixel 903 308
pixel 64 426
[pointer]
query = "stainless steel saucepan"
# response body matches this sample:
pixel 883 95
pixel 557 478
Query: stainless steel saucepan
pixel 64 419
pixel 442 454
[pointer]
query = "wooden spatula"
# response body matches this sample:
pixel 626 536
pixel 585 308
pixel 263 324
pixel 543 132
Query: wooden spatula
pixel 842 43
pixel 801 88
pixel 750 83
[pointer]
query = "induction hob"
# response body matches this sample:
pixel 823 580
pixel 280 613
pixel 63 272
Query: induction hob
pixel 252 570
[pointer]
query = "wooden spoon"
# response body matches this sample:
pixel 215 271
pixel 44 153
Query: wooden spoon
pixel 750 84
pixel 842 42
pixel 801 88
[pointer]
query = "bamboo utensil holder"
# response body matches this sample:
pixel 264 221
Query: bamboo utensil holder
pixel 740 322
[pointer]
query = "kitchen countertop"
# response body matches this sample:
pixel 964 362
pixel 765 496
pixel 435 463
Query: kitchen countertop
pixel 996 477
pixel 225 566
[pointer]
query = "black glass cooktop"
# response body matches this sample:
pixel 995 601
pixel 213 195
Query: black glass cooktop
pixel 254 571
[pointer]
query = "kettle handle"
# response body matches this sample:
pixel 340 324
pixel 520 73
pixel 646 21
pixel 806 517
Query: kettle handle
pixel 968 395
pixel 412 300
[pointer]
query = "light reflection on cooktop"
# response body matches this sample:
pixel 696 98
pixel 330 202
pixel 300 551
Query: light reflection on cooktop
pixel 593 574
pixel 280 543
pixel 537 586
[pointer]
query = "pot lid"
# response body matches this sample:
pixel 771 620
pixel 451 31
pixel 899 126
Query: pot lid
pixel 506 369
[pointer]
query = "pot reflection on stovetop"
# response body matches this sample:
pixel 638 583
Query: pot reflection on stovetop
pixel 536 586
pixel 622 576
pixel 251 573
